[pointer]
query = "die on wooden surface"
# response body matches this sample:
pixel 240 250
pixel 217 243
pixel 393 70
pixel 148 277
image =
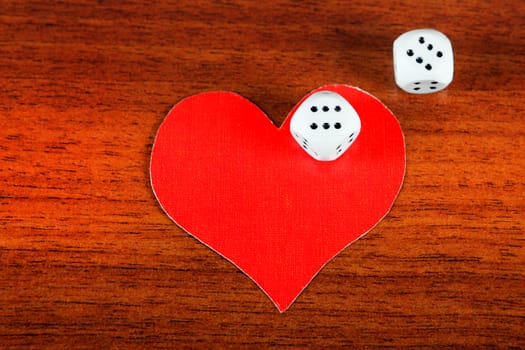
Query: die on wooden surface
pixel 423 61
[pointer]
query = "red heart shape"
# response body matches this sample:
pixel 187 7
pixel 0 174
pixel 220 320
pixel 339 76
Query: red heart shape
pixel 242 186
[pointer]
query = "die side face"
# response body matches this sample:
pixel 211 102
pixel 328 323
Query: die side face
pixel 423 61
pixel 325 125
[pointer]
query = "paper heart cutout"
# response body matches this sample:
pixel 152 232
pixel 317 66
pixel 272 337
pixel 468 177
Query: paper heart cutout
pixel 233 180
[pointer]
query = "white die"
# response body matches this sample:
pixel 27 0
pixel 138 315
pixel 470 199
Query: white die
pixel 423 61
pixel 325 125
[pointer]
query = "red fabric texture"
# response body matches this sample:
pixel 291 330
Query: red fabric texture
pixel 242 186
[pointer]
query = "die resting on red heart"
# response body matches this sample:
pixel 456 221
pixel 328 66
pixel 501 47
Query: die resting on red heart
pixel 244 187
pixel 325 125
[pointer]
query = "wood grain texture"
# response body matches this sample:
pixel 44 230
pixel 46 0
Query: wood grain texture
pixel 88 260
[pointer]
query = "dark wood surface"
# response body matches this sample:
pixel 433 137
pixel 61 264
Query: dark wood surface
pixel 89 260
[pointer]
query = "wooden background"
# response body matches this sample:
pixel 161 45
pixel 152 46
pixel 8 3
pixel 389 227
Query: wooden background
pixel 89 260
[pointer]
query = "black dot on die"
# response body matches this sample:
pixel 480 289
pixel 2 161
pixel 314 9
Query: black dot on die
pixel 419 60
pixel 410 52
pixel 326 126
pixel 432 88
pixel 421 40
pixel 434 82
pixel 313 126
pixel 337 125
pixel 325 109
pixel 337 108
pixel 428 66
pixel 439 54
pixel 313 109
pixel 430 47
pixel 417 88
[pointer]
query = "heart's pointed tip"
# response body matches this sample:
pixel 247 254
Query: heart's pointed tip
pixel 282 308
pixel 281 302
pixel 283 305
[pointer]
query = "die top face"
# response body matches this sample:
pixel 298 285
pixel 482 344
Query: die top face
pixel 325 114
pixel 423 61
